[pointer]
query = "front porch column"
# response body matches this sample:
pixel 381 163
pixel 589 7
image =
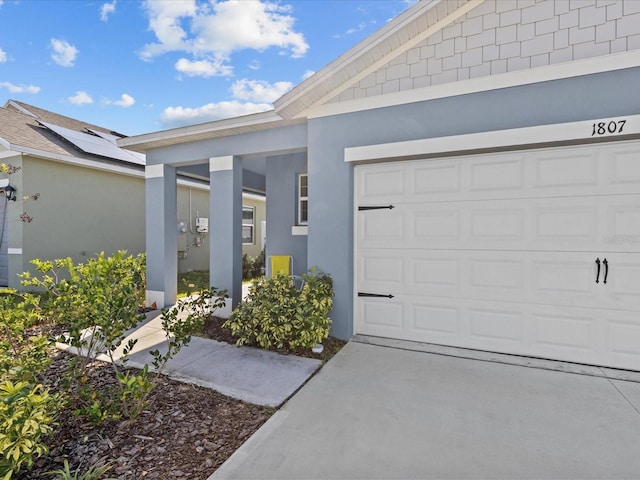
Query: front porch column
pixel 161 235
pixel 225 227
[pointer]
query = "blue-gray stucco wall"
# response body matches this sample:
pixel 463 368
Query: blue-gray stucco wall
pixel 281 181
pixel 330 242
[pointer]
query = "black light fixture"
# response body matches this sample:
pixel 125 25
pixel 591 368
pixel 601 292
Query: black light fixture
pixel 10 193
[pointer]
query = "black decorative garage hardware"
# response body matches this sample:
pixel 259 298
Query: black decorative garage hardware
pixel 606 270
pixel 375 295
pixel 376 207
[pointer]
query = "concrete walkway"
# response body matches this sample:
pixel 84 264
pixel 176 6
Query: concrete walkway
pixel 253 375
pixel 375 412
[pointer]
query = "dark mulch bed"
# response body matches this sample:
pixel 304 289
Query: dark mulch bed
pixel 187 431
pixel 213 329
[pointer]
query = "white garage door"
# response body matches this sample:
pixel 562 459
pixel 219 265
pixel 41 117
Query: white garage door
pixel 533 252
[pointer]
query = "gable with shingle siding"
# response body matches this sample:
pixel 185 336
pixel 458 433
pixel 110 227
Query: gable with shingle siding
pixel 501 36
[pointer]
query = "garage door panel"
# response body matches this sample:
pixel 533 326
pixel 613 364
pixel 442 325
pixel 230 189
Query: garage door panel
pixel 568 171
pixel 545 278
pixel 437 178
pixel 557 169
pixel 622 340
pixel 382 317
pixel 575 334
pixel 498 252
pixel 561 331
pixel 501 324
pixel 607 224
pixel 624 167
pixel 623 281
pixel 504 175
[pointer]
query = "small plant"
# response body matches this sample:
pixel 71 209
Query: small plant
pixel 22 356
pixel 278 315
pixel 26 417
pixel 95 472
pixel 185 319
pixel 253 267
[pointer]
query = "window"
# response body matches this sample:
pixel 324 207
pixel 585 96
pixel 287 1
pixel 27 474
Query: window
pixel 248 225
pixel 303 199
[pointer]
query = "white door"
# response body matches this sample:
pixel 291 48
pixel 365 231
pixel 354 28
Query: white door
pixel 505 252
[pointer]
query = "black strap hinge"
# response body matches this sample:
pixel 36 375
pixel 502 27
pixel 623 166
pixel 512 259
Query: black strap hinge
pixel 376 207
pixel 376 295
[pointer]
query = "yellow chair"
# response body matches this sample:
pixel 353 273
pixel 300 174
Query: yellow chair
pixel 283 264
pixel 279 264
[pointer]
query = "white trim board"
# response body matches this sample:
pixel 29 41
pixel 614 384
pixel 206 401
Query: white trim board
pixel 542 134
pixel 528 76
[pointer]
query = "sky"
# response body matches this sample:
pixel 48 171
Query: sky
pixel 143 66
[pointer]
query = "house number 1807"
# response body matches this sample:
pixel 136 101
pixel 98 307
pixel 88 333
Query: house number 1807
pixel 608 128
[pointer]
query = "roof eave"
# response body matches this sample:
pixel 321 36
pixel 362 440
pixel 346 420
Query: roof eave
pixel 175 136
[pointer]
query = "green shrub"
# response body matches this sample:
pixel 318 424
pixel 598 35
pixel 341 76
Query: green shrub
pixel 98 300
pixel 185 319
pixel 276 314
pixel 27 410
pixel 26 417
pixel 253 267
pixel 22 355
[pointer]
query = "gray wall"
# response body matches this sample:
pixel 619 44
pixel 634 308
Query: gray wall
pixel 4 239
pixel 82 211
pixel 281 209
pixel 330 243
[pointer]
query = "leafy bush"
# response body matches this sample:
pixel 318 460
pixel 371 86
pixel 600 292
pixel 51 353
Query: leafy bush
pixel 253 267
pixel 26 416
pixel 184 319
pixel 276 314
pixel 27 410
pixel 22 356
pixel 98 300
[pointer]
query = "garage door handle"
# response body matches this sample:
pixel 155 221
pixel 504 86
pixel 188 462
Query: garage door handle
pixel 598 274
pixel 376 295
pixel 606 270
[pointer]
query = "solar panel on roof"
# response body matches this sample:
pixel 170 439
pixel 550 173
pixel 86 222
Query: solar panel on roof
pixel 95 145
pixel 113 139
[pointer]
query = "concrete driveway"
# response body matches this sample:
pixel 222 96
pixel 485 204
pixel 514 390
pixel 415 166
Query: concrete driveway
pixel 375 412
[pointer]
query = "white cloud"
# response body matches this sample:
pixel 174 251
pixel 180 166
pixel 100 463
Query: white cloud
pixel 254 65
pixel 361 26
pixel 64 54
pixel 259 91
pixel 125 101
pixel 213 31
pixel 19 88
pixel 3 56
pixel 307 74
pixel 181 116
pixel 106 10
pixel 80 98
pixel 203 68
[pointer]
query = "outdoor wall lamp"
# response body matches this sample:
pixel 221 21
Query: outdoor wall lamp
pixel 10 193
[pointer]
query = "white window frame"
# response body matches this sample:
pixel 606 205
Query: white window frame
pixel 303 199
pixel 251 225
